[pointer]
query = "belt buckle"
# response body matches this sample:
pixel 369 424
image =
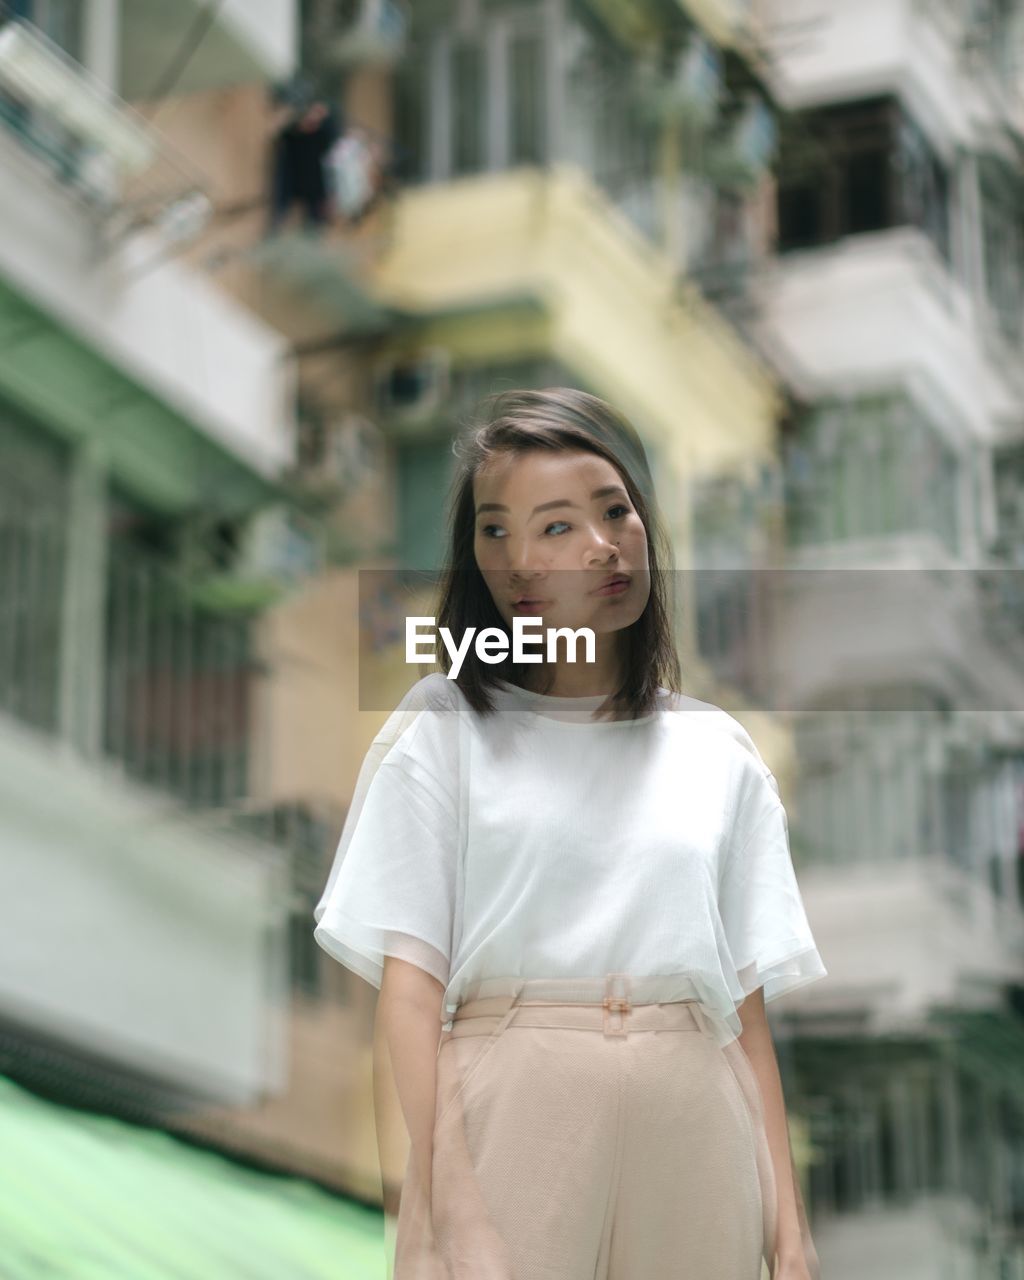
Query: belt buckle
pixel 616 1003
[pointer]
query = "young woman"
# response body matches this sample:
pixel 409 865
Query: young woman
pixel 572 885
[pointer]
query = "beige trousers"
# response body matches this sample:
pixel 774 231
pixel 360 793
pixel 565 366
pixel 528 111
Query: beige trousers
pixel 590 1141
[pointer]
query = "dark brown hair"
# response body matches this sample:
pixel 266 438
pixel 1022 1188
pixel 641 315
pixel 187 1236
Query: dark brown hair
pixel 565 420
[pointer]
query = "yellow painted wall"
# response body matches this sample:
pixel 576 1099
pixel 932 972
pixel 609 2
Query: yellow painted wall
pixel 655 347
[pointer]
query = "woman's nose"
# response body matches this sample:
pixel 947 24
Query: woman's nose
pixel 603 550
pixel 523 559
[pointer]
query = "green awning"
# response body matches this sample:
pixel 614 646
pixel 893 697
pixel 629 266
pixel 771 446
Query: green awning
pixel 154 450
pixel 96 1198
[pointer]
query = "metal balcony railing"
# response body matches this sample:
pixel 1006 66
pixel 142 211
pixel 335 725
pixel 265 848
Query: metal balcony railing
pixel 32 569
pixel 889 787
pixel 175 679
pixel 732 626
pixel 178 683
pixel 868 469
pixel 100 150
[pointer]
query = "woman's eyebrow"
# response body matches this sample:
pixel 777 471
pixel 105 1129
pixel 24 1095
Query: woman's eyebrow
pixel 557 502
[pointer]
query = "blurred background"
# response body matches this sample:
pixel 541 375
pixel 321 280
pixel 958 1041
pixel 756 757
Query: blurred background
pixel 258 259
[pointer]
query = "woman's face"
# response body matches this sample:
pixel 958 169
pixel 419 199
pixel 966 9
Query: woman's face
pixel 553 527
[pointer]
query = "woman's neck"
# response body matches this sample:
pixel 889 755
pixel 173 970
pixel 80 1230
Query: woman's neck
pixel 578 680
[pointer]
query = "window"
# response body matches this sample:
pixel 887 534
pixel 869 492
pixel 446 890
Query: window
pixel 605 130
pixel 923 188
pixel 60 20
pixel 34 501
pixel 474 95
pixel 990 37
pixel 411 121
pixel 859 168
pixel 1002 230
pixel 1008 470
pixel 801 212
pixel 866 194
pixel 869 468
pixel 729 520
pixel 527 143
pixel 468 108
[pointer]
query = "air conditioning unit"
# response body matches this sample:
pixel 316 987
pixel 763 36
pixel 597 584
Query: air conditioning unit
pixel 349 454
pixel 372 31
pixel 413 388
pixel 280 545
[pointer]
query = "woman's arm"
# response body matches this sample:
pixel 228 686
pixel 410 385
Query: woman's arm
pixel 409 1019
pixel 795 1257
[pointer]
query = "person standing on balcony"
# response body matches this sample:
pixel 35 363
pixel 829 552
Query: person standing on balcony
pixel 573 887
pixel 305 129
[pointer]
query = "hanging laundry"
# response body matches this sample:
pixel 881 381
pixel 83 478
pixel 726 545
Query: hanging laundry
pixel 353 173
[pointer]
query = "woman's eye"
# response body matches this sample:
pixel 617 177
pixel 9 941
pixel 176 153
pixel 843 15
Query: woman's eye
pixel 494 530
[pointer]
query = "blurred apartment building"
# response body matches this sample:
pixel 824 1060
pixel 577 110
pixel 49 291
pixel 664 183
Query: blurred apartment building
pixel 893 311
pixel 144 415
pixel 147 429
pixel 580 191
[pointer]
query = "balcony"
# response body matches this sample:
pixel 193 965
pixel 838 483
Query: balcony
pixel 548 244
pixel 916 1140
pixel 869 471
pixel 861 180
pixel 951 66
pixel 246 40
pixel 882 309
pixel 145 928
pixel 95 207
pixel 317 283
pixel 94 146
pixel 736 524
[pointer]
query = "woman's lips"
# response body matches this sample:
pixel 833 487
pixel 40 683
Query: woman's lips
pixel 613 588
pixel 535 607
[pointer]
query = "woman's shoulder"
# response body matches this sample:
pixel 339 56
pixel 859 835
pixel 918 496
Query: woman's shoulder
pixel 432 692
pixel 422 715
pixel 721 727
pixel 420 740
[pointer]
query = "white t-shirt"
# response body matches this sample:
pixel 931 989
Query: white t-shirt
pixel 538 843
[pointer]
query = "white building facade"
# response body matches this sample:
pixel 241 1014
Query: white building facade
pixel 893 308
pixel 142 412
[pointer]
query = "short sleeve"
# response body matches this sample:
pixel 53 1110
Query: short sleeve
pixel 391 889
pixel 761 909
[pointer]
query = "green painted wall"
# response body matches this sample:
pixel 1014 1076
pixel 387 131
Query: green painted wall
pixel 155 452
